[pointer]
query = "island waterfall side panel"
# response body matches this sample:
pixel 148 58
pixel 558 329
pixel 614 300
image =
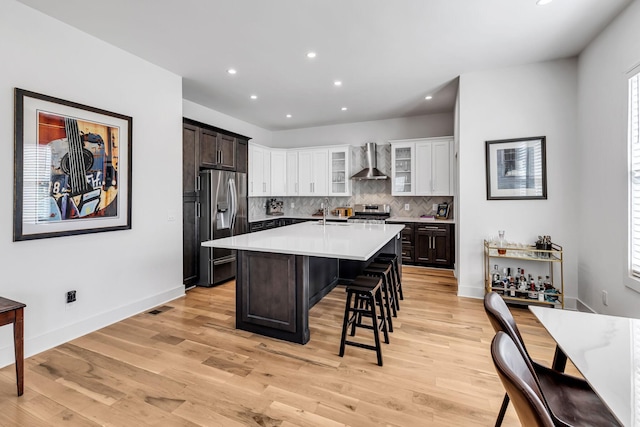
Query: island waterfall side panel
pixel 268 290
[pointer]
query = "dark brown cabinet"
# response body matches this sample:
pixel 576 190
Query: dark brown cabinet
pixel 407 244
pixel 190 241
pixel 203 147
pixel 190 159
pixel 242 155
pixel 208 148
pixel 428 244
pixel 433 245
pixel 217 150
pixel 190 224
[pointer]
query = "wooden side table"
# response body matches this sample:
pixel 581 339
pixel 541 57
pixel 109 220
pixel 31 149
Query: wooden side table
pixel 12 312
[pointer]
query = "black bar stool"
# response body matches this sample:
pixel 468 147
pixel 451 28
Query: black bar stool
pixel 368 294
pixel 393 258
pixel 384 272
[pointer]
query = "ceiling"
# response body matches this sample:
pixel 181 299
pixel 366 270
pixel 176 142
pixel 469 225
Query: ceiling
pixel 388 54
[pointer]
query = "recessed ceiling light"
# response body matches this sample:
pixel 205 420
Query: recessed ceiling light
pixel 254 96
pixel 337 83
pixel 288 116
pixel 231 71
pixel 428 97
pixel 543 2
pixel 311 55
pixel 344 108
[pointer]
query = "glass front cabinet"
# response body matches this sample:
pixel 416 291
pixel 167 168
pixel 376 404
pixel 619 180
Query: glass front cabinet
pixel 403 169
pixel 339 174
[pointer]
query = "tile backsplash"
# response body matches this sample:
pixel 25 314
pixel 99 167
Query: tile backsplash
pixel 362 192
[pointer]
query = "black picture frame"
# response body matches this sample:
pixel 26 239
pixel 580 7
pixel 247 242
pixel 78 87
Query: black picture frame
pixel 516 169
pixel 443 211
pixel 72 168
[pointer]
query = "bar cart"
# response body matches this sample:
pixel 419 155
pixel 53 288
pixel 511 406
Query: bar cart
pixel 529 255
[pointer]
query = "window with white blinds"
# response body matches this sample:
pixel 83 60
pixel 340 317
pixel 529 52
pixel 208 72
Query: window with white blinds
pixel 634 173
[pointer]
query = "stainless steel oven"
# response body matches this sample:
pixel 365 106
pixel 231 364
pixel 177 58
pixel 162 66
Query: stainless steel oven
pixel 370 214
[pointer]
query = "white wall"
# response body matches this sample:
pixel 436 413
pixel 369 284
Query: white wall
pixel 533 100
pixel 116 274
pixel 215 118
pixel 603 155
pixel 359 133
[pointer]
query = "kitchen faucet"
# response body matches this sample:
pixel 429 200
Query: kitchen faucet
pixel 324 210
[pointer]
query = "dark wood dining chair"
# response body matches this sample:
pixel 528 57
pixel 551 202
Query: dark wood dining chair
pixel 521 385
pixel 570 400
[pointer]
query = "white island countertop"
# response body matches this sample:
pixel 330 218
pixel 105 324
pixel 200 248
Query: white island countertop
pixel 357 242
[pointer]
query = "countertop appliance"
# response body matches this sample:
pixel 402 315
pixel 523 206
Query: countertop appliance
pixel 223 213
pixel 370 214
pixel 275 207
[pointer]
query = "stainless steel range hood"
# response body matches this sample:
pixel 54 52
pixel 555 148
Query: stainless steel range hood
pixel 370 170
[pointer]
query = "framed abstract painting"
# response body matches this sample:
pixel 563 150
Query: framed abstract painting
pixel 72 168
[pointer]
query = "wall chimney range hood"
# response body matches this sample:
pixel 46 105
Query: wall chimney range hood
pixel 370 170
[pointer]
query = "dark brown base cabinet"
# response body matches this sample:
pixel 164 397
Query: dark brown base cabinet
pixel 203 147
pixel 430 245
pixel 190 241
pixel 273 223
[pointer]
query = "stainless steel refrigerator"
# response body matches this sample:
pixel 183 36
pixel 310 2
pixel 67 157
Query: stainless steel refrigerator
pixel 223 213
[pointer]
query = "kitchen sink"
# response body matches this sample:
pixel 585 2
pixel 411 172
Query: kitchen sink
pixel 339 224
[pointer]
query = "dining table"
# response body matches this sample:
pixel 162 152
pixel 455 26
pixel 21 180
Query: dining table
pixel 606 351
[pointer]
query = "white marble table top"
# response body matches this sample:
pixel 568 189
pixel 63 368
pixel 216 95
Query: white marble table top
pixel 606 351
pixel 334 240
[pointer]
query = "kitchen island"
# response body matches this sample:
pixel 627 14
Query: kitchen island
pixel 283 272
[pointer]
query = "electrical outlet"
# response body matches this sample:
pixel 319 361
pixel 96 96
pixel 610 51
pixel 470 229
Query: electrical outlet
pixel 293 205
pixel 407 207
pixel 71 297
pixel 605 298
pixel 434 207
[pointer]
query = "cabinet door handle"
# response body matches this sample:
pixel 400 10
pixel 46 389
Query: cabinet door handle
pixel 296 187
pixel 427 228
pixel 198 183
pixel 198 210
pixel 221 157
pixel 264 187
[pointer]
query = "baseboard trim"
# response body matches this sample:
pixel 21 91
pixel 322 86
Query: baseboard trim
pixel 66 333
pixel 581 306
pixel 470 292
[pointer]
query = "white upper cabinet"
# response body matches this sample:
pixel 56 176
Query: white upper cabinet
pixel 422 167
pixel 259 171
pixel 402 168
pixel 292 173
pixel 319 172
pixel 442 171
pixel 339 171
pixel 312 172
pixel 278 173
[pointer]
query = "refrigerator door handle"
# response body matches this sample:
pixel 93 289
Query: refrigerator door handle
pixel 234 204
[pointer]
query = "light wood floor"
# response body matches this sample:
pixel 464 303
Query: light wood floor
pixel 188 366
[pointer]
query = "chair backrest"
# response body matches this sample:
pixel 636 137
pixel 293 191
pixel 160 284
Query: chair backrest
pixel 519 381
pixel 501 319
